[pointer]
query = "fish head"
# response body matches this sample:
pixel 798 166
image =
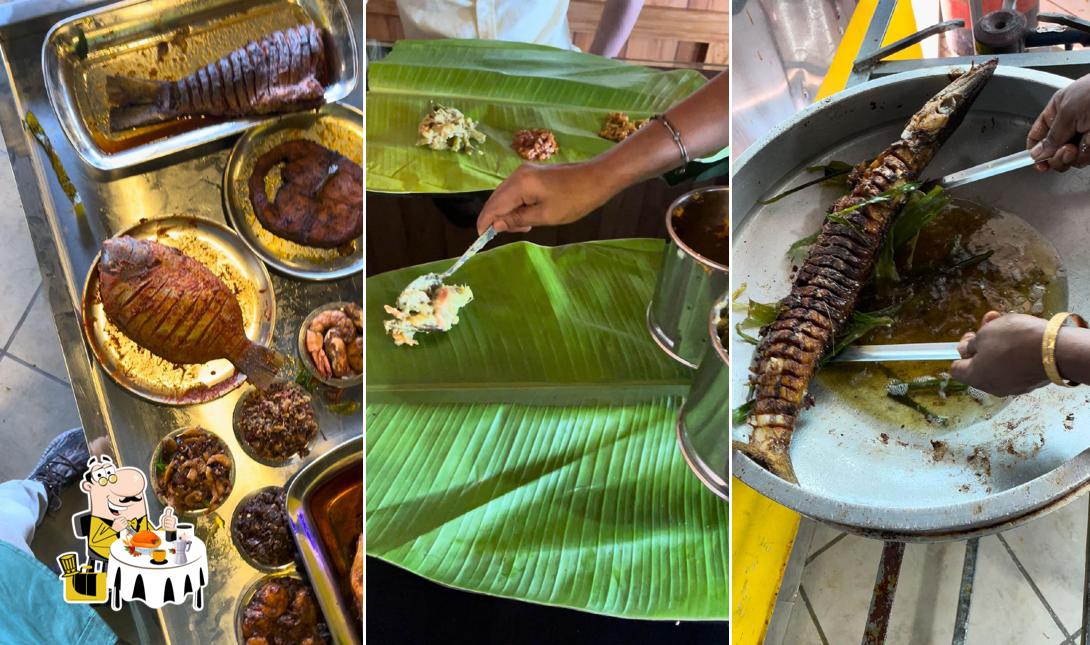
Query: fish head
pixel 943 113
pixel 124 256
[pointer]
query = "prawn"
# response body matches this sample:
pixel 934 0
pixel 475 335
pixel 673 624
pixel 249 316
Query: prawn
pixel 338 354
pixel 331 322
pixel 355 355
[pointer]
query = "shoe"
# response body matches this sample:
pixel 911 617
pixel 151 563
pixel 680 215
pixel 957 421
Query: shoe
pixel 62 464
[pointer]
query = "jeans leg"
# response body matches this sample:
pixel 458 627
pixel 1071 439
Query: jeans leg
pixel 22 507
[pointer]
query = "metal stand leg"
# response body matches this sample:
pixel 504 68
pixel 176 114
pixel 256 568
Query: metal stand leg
pixel 965 594
pixel 1086 586
pixel 885 586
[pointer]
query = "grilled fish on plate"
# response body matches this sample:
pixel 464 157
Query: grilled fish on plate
pixel 175 307
pixel 826 288
pixel 284 72
pixel 319 203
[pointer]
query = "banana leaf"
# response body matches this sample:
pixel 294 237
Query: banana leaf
pixel 530 452
pixel 505 87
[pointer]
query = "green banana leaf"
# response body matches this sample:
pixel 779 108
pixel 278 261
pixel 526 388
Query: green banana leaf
pixel 530 452
pixel 505 87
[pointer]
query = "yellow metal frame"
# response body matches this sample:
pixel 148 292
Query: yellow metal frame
pixel 763 532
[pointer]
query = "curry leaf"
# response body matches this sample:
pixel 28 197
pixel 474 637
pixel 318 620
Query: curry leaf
pixel 884 196
pixel 797 252
pixel 741 413
pixel 834 172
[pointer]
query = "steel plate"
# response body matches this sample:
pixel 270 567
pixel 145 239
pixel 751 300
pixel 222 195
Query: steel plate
pixel 337 467
pixel 335 126
pixel 170 39
pixel 156 379
pixel 1036 446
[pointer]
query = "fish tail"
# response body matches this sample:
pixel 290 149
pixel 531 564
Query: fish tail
pixel 777 463
pixel 261 365
pixel 136 102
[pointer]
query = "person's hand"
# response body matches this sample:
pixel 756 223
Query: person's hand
pixel 120 524
pixel 1060 137
pixel 1004 357
pixel 547 195
pixel 167 521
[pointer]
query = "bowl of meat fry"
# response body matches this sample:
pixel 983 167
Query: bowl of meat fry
pixel 193 471
pixel 261 530
pixel 331 344
pixel 280 608
pixel 275 425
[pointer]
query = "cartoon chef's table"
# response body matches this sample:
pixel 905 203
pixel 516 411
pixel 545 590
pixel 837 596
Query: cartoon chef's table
pixel 132 575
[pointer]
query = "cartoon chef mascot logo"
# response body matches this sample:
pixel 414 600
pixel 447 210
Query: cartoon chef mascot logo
pixel 153 565
pixel 117 504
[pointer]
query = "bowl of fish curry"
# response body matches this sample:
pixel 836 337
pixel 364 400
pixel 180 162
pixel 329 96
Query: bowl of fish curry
pixel 898 449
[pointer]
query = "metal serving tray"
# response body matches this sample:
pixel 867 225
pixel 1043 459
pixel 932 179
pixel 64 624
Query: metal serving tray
pixel 338 466
pixel 66 245
pixel 860 469
pixel 169 39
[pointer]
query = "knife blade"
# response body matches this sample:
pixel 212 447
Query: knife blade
pixel 987 169
pixel 898 352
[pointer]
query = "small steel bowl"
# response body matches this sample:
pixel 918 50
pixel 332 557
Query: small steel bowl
pixel 266 568
pixel 154 474
pixel 688 282
pixel 304 355
pixel 703 429
pixel 249 449
pixel 251 589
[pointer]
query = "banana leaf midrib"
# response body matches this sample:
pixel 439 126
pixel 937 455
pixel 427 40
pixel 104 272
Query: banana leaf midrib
pixel 620 393
pixel 462 97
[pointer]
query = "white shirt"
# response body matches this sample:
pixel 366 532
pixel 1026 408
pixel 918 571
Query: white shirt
pixel 543 22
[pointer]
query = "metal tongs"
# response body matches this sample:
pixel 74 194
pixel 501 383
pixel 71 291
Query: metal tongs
pixel 986 170
pixel 934 351
pixel 898 352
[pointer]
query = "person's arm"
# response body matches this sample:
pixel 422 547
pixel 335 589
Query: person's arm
pixel 618 19
pixel 1073 354
pixel 552 194
pixel 1004 356
pixel 1060 137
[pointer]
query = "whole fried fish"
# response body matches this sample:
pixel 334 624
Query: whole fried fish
pixel 319 203
pixel 284 72
pixel 176 308
pixel 827 287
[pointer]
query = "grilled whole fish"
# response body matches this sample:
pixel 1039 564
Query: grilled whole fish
pixel 827 286
pixel 176 308
pixel 284 72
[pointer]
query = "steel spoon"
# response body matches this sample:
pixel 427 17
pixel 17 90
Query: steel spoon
pixel 430 281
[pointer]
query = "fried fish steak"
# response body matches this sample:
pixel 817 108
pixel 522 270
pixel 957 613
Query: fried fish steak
pixel 319 203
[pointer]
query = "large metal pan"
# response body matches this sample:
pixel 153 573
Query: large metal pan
pixel 849 473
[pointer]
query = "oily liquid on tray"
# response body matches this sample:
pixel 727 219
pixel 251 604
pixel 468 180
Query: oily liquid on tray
pixel 175 54
pixel 1023 275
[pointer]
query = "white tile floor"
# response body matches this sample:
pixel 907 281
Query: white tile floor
pixel 1026 590
pixel 36 402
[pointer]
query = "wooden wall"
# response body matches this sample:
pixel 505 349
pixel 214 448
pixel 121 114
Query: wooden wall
pixel 668 32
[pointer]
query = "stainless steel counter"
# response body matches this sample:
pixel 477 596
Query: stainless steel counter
pixel 190 184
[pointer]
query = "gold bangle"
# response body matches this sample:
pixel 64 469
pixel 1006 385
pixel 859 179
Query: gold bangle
pixel 1048 346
